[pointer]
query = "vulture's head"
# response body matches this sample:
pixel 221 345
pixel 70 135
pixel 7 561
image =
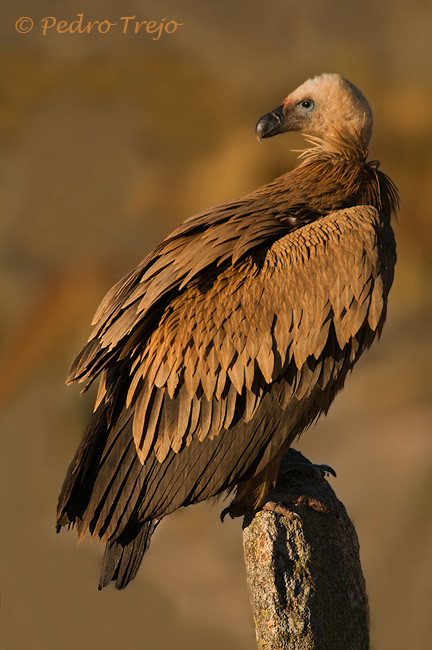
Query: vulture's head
pixel 324 106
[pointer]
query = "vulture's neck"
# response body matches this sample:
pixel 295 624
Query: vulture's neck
pixel 334 174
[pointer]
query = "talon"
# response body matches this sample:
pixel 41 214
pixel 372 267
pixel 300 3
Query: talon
pixel 235 509
pixel 326 470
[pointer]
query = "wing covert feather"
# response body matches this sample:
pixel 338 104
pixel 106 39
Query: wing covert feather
pixel 269 315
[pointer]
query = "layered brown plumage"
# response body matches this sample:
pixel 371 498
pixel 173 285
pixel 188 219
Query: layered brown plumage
pixel 234 335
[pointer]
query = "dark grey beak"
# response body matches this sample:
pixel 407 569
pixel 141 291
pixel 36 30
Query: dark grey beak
pixel 271 123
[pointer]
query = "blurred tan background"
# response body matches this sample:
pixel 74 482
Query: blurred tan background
pixel 108 141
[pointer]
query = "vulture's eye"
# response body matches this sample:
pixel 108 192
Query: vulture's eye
pixel 307 104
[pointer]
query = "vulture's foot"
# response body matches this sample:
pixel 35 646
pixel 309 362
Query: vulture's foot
pixel 299 484
pixel 282 504
pixel 235 509
pixel 281 500
pixel 280 509
pixel 306 470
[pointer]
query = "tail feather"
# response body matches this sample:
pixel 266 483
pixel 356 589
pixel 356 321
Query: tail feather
pixel 123 557
pixel 101 494
pixel 76 487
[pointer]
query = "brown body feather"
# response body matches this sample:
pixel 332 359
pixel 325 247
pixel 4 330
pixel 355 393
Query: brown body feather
pixel 225 343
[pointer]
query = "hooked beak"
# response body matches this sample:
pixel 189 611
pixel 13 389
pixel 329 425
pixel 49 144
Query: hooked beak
pixel 272 123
